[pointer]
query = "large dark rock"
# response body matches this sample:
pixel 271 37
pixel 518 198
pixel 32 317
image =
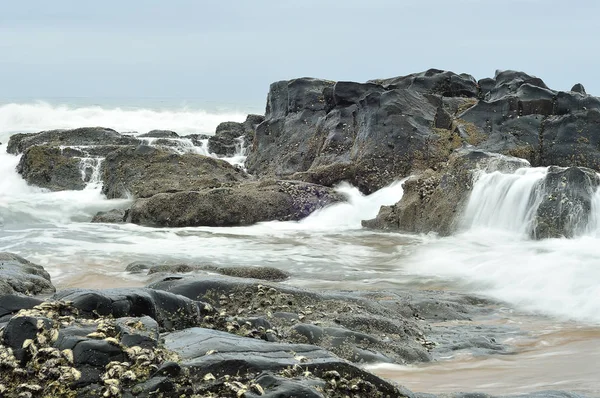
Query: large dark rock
pixel 433 201
pixel 169 310
pixel 48 167
pixel 144 171
pixel 565 202
pixel 244 204
pixel 85 136
pixel 369 134
pixel 18 275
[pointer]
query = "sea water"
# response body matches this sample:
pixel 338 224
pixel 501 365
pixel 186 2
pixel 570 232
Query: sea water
pixel 552 283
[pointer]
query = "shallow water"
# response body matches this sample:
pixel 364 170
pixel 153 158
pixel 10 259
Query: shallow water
pixel 549 287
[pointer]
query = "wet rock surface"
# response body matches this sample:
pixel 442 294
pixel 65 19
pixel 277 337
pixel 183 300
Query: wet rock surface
pixel 81 137
pixel 18 275
pixel 565 207
pixel 144 171
pixel 243 204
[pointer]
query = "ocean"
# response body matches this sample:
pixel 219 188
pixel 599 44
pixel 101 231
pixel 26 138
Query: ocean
pixel 549 288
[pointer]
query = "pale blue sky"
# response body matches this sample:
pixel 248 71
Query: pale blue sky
pixel 230 51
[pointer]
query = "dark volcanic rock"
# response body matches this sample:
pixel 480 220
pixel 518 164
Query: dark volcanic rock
pixel 169 310
pixel 565 202
pixel 17 275
pixel 85 136
pixel 220 354
pixel 434 200
pixel 435 81
pixel 144 171
pixel 245 204
pixel 368 134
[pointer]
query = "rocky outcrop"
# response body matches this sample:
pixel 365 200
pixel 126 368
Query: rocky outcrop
pixel 18 275
pixel 433 201
pixel 565 202
pixel 374 133
pixel 144 171
pixel 519 115
pixel 324 132
pixel 52 168
pixel 243 204
pixel 231 136
pixel 86 136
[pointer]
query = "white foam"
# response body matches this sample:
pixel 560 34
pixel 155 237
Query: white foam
pixel 34 117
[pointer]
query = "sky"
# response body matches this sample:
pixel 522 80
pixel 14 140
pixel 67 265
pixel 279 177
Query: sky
pixel 229 51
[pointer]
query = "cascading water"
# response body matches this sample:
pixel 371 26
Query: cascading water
pixel 505 201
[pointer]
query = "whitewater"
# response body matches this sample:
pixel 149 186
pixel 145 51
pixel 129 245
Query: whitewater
pixel 551 283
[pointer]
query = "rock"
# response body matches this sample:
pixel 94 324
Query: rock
pixel 85 136
pixel 114 216
pixel 565 202
pixel 226 141
pixel 169 310
pixel 520 116
pixel 354 327
pixel 250 125
pixel 11 304
pixel 137 267
pixel 141 332
pixel 433 201
pixel 219 354
pixel 368 134
pixel 144 171
pixel 48 167
pixel 263 273
pixel 244 204
pixel 160 134
pixel 197 139
pixel 572 140
pixel 435 81
pixel 17 275
pixel 578 88
pixel 173 268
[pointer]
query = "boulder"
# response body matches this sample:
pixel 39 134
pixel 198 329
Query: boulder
pixel 85 136
pixel 227 139
pixel 243 204
pixel 144 171
pixel 49 167
pixel 18 275
pixel 169 310
pixel 433 201
pixel 368 134
pixel 565 199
